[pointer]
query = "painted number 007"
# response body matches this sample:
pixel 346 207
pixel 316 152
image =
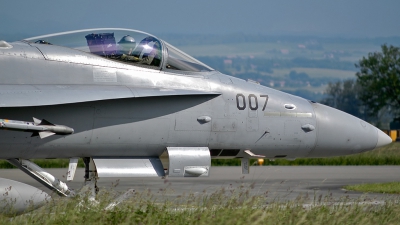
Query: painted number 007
pixel 253 103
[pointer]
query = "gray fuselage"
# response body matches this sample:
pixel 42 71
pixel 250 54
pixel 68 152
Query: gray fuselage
pixel 244 115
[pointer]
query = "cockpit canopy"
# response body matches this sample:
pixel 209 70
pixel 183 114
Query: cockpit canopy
pixel 127 46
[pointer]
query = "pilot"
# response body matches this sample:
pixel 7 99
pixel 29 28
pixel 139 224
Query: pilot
pixel 144 53
pixel 126 45
pixel 154 56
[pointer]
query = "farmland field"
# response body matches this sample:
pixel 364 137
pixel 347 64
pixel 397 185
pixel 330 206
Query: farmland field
pixel 316 72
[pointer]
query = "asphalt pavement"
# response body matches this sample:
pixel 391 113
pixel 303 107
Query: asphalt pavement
pixel 280 183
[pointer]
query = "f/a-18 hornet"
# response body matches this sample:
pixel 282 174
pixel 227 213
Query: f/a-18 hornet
pixel 132 105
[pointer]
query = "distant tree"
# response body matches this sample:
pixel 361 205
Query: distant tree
pixel 343 95
pixel 379 76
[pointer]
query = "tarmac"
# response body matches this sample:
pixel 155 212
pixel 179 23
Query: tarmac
pixel 278 183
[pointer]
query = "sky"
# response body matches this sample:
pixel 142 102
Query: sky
pixel 325 18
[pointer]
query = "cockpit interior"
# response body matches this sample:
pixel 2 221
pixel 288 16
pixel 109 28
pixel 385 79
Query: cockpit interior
pixel 127 46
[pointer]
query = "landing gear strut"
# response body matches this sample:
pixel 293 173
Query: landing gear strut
pixel 91 177
pixel 61 188
pixel 42 176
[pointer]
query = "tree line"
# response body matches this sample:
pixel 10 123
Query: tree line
pixel 375 93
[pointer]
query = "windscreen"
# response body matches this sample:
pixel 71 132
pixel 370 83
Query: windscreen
pixel 178 60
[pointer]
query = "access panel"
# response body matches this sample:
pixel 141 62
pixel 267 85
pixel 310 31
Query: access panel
pixel 187 161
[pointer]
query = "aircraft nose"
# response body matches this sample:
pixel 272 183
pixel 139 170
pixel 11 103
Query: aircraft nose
pixel 339 133
pixel 383 139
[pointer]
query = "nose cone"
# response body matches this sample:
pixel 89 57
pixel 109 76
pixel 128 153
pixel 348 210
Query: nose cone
pixel 339 133
pixel 383 139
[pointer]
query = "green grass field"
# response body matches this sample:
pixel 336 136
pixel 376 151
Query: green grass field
pixel 227 206
pixel 388 188
pixel 235 206
pixel 388 155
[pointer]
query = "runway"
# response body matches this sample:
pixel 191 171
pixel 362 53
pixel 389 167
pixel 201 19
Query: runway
pixel 279 183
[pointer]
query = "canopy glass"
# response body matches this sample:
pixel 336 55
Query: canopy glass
pixel 127 46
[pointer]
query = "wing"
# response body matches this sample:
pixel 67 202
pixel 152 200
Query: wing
pixel 42 95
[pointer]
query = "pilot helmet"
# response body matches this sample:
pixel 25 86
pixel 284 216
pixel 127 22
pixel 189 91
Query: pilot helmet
pixel 127 44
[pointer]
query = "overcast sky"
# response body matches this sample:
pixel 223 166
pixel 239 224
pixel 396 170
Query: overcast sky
pixel 328 18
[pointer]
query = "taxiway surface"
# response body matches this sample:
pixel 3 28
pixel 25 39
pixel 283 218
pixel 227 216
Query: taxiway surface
pixel 278 182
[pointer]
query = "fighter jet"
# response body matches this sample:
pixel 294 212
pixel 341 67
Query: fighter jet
pixel 133 105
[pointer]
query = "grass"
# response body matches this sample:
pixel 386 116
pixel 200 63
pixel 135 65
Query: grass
pixel 228 206
pixel 388 155
pixel 44 163
pixel 224 206
pixel 388 188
